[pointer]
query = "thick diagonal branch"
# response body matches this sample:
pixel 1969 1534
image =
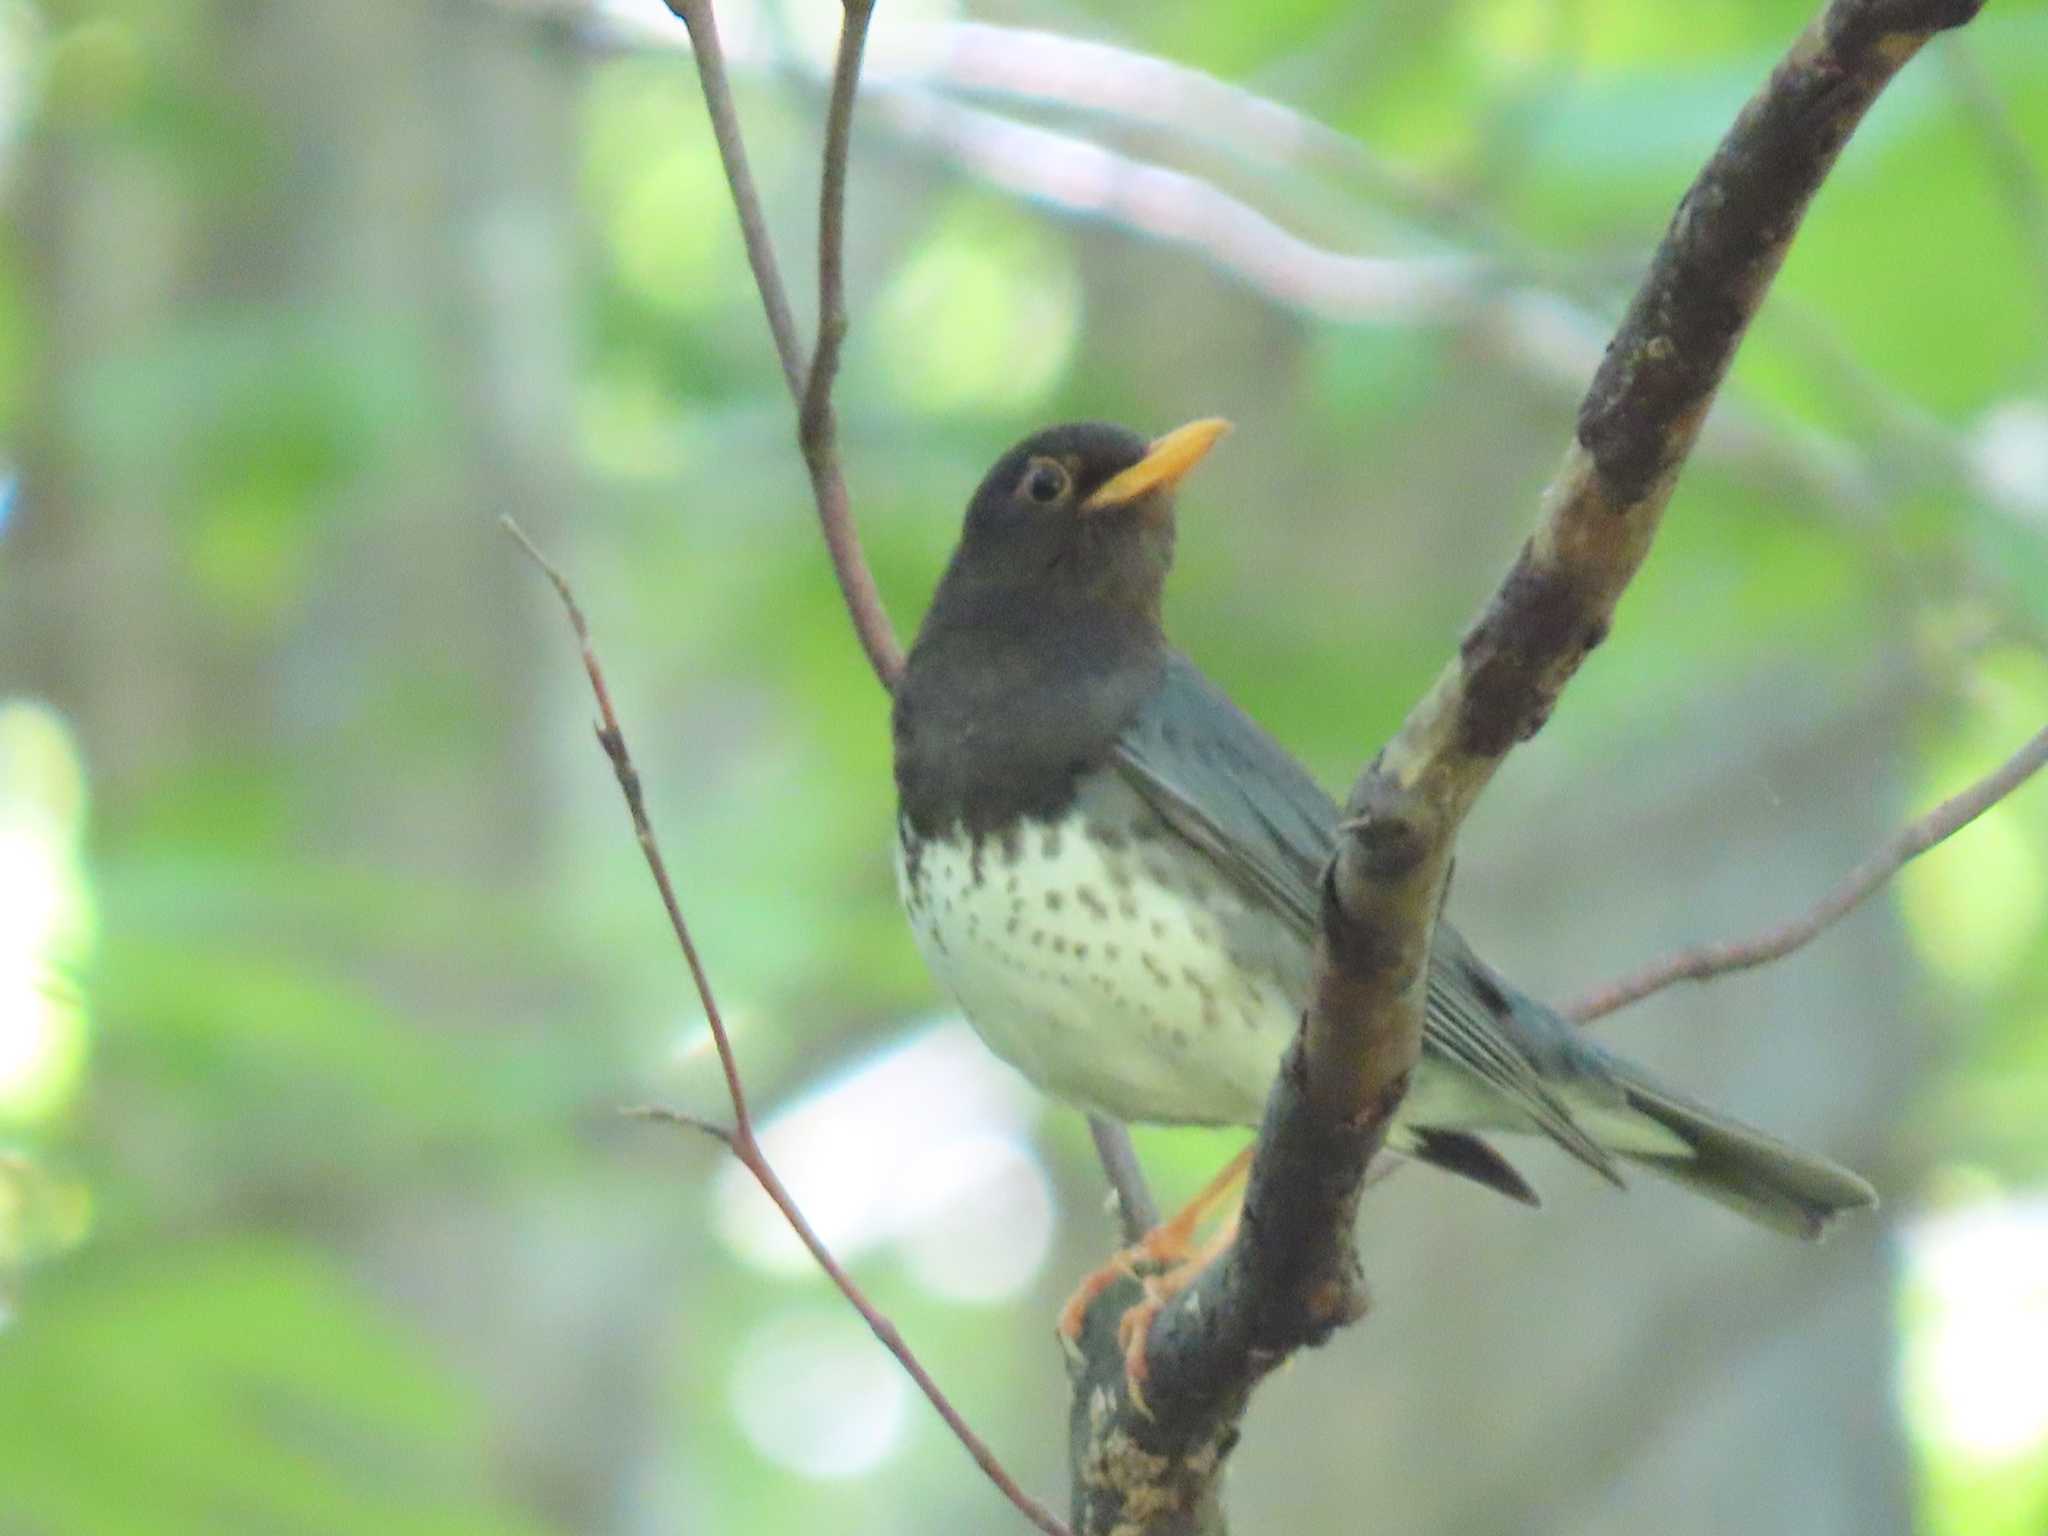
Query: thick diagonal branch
pixel 1290 1276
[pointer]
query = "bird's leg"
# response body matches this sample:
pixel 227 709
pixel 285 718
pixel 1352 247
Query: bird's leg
pixel 1167 1248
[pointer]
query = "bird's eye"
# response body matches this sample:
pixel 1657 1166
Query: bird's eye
pixel 1045 482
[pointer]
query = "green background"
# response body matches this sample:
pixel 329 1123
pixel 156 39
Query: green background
pixel 326 955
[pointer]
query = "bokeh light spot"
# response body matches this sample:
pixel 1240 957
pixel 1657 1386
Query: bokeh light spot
pixel 891 1151
pixel 656 182
pixel 1977 1353
pixel 664 246
pixel 2009 455
pixel 43 1211
pixel 991 1224
pixel 984 315
pixel 1974 906
pixel 813 1392
pixel 45 918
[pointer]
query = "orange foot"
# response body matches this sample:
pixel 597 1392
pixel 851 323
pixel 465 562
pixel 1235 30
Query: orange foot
pixel 1166 1259
pixel 1134 1328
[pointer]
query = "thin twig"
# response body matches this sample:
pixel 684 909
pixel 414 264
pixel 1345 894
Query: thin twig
pixel 746 199
pixel 1707 960
pixel 805 380
pixel 815 424
pixel 816 432
pixel 748 1152
pixel 667 1116
pixel 1207 113
pixel 613 741
pixel 745 1146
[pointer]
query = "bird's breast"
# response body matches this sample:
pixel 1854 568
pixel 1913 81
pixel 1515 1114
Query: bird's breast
pixel 1104 960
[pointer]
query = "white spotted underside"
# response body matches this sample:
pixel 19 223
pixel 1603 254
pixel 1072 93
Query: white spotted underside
pixel 1091 970
pixel 1121 974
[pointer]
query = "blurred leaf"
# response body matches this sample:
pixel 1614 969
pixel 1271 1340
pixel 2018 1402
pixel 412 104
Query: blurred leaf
pixel 242 1386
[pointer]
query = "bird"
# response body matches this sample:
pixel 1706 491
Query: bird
pixel 1115 871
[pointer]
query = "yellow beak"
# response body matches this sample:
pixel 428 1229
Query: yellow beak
pixel 1165 462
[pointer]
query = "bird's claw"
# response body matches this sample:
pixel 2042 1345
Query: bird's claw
pixel 1132 1331
pixel 1074 1315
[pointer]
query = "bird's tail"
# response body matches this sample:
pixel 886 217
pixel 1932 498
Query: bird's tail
pixel 1751 1171
pixel 1614 1109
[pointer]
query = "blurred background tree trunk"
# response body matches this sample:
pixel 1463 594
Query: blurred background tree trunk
pixel 377 263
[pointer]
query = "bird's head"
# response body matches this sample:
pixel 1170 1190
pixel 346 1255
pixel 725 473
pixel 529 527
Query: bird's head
pixel 1083 511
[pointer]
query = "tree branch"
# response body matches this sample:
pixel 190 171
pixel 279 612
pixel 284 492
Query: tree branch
pixel 1290 1276
pixel 1083 75
pixel 1707 960
pixel 740 1138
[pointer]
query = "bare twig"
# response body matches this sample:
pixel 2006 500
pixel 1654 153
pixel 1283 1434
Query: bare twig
pixel 614 743
pixel 746 200
pixel 1290 1276
pixel 1104 79
pixel 1065 170
pixel 811 387
pixel 815 425
pixel 809 384
pixel 1202 111
pixel 740 1138
pixel 1708 960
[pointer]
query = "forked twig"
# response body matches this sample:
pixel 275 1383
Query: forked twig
pixel 810 386
pixel 1707 960
pixel 810 383
pixel 817 433
pixel 739 1138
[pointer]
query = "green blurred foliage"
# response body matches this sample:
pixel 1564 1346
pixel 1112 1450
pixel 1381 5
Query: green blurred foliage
pixel 297 300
